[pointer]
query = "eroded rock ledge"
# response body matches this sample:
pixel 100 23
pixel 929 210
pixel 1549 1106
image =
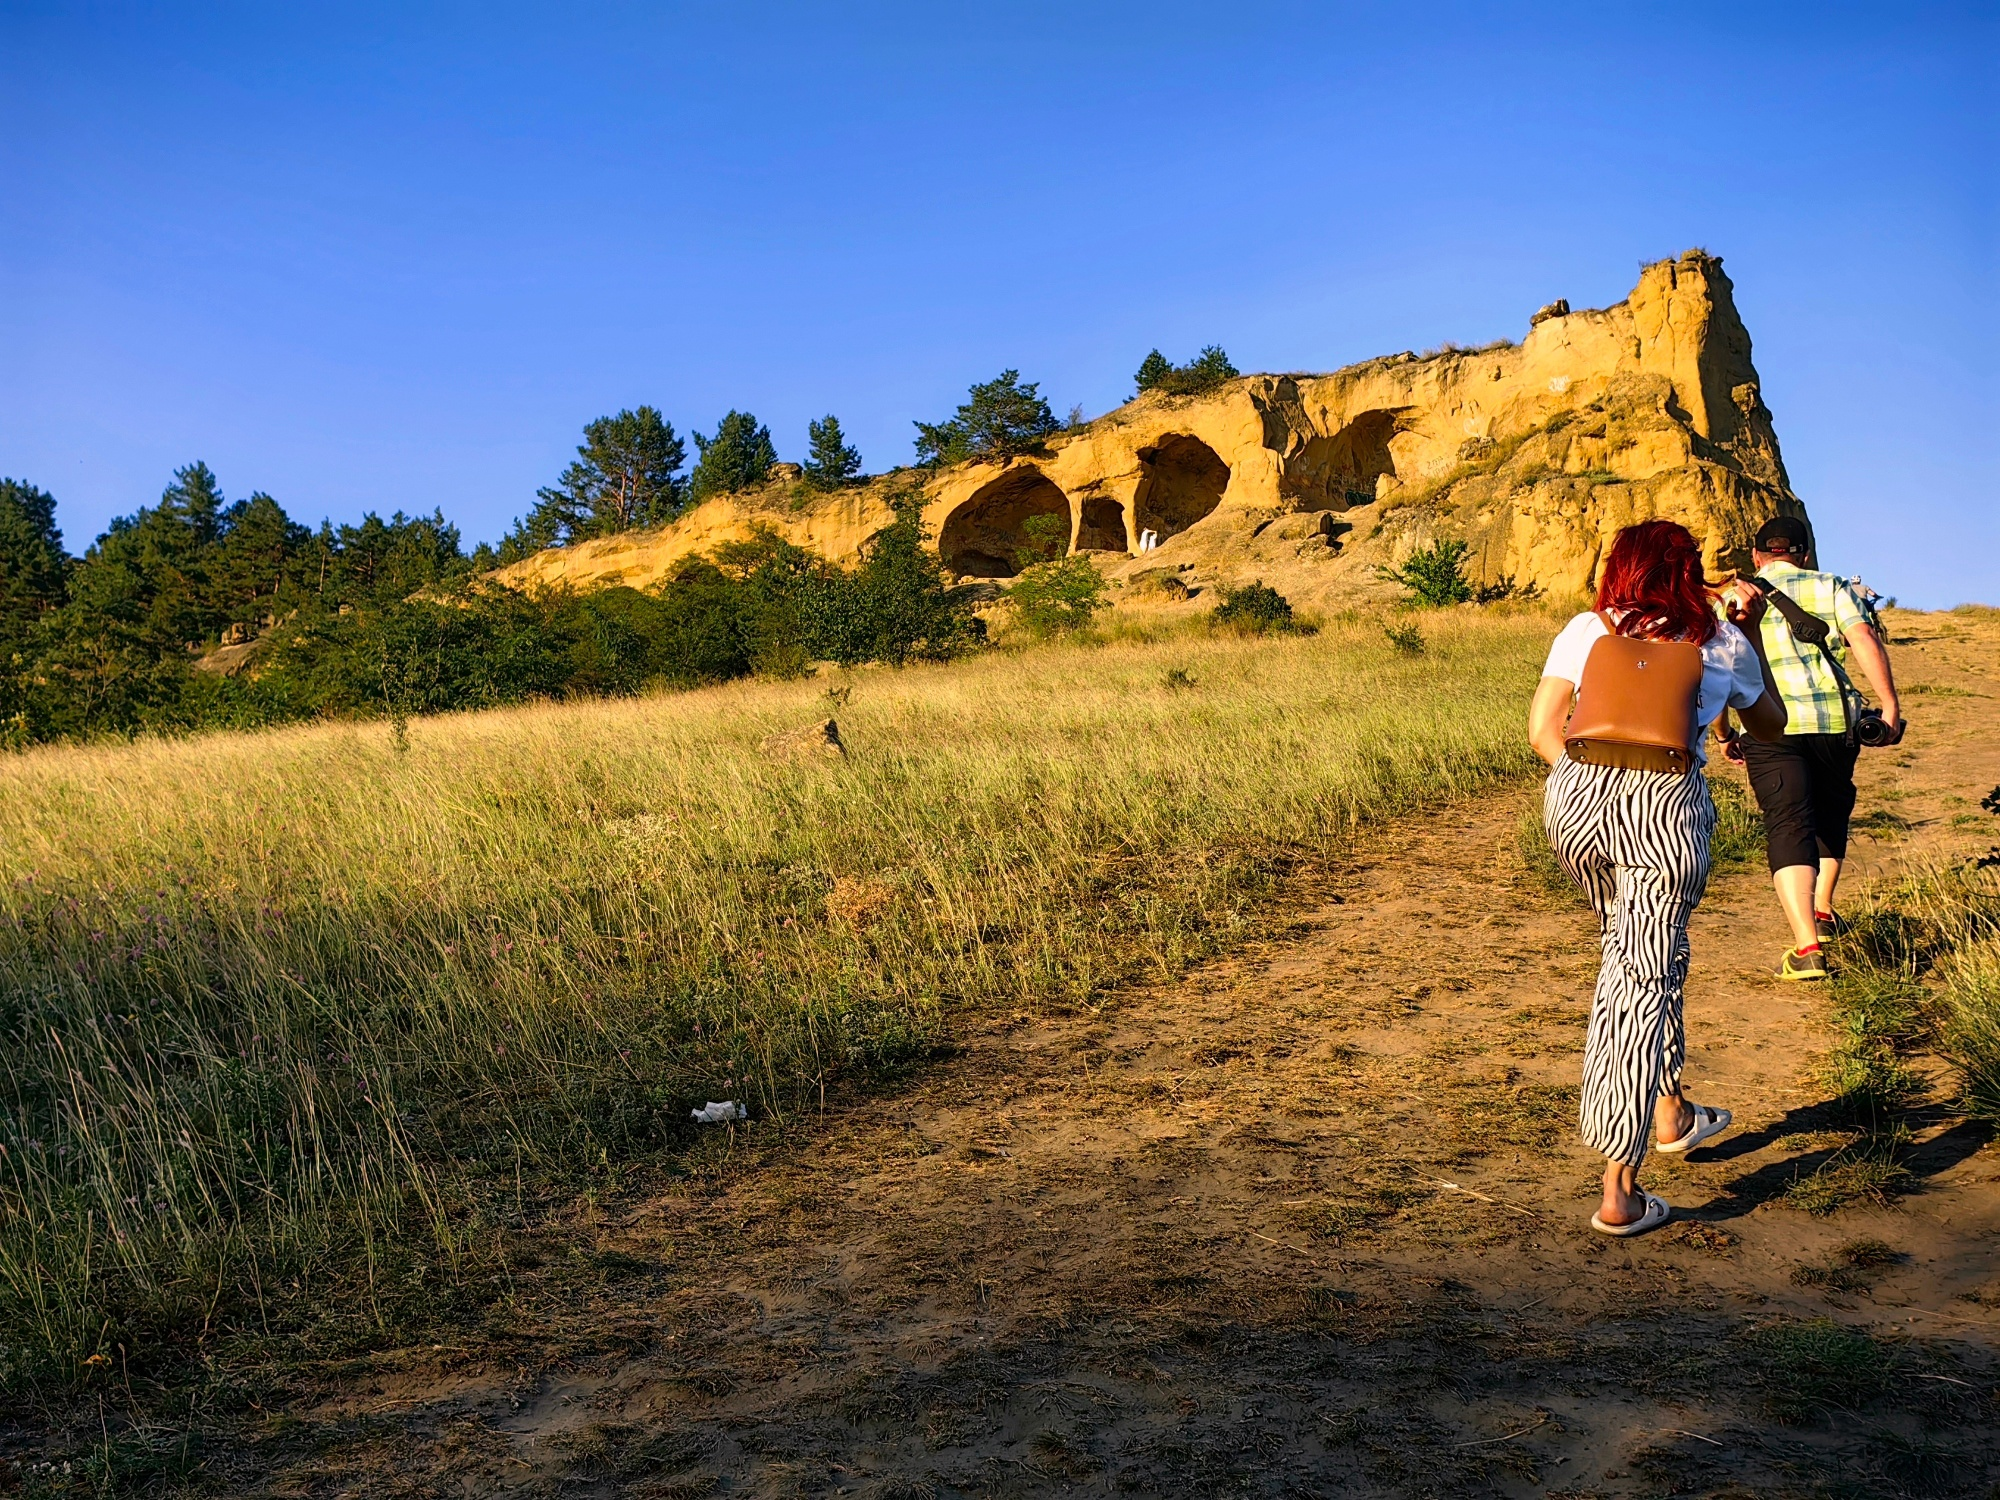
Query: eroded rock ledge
pixel 1535 453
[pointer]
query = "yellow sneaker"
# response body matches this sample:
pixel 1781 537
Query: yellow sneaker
pixel 1797 965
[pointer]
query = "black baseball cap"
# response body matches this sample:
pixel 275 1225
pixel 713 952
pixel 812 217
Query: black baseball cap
pixel 1787 534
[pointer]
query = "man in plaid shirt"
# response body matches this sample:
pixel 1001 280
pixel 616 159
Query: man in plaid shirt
pixel 1804 782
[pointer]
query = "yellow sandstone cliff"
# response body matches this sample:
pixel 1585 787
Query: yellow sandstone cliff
pixel 1534 453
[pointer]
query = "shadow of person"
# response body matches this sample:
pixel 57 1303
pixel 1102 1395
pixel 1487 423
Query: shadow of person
pixel 1919 1162
pixel 1802 1120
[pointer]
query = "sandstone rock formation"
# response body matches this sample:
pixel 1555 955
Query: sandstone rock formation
pixel 1535 453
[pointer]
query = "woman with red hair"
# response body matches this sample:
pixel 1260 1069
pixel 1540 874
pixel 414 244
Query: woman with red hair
pixel 1636 841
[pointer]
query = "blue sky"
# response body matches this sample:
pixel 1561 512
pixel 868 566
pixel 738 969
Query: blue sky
pixel 381 257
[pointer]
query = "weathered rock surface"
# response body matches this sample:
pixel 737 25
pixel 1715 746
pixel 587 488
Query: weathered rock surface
pixel 819 741
pixel 1535 453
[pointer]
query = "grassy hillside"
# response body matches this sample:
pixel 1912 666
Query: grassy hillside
pixel 296 1027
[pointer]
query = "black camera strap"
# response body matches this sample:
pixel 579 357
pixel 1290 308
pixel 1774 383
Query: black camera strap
pixel 1812 630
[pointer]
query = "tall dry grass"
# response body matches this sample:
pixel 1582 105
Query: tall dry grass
pixel 294 1027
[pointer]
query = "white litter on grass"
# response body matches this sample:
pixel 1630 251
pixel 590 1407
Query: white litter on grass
pixel 722 1112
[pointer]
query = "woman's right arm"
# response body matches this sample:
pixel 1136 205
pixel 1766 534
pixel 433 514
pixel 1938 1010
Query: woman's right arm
pixel 1548 716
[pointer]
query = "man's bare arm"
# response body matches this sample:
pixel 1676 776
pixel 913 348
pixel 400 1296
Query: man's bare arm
pixel 1873 659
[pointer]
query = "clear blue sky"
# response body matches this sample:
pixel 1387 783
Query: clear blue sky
pixel 394 256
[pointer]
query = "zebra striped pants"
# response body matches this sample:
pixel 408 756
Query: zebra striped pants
pixel 1637 842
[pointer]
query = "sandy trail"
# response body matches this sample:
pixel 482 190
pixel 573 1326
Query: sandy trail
pixel 1308 1221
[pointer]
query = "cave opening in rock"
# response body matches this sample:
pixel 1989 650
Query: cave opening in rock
pixel 983 538
pixel 1351 463
pixel 1102 528
pixel 1182 481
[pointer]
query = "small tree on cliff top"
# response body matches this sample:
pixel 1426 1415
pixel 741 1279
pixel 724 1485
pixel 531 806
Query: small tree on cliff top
pixel 1204 372
pixel 738 457
pixel 1004 417
pixel 833 461
pixel 624 476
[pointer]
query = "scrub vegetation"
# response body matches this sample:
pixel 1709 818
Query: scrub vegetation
pixel 1918 973
pixel 200 613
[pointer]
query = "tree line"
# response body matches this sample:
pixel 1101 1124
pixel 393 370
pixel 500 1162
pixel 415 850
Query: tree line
pixel 396 617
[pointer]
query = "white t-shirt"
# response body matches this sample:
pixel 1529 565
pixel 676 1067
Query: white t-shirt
pixel 1729 670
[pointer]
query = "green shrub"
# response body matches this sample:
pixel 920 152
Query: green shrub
pixel 897 607
pixel 1064 594
pixel 1433 575
pixel 1256 608
pixel 1204 372
pixel 1043 539
pixel 1407 639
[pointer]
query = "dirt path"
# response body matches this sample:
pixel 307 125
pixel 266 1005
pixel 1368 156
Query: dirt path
pixel 1310 1221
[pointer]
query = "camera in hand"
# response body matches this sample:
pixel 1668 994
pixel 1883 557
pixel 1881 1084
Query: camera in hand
pixel 1872 730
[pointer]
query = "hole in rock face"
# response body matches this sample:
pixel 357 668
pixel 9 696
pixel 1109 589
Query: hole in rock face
pixel 1103 528
pixel 1341 471
pixel 1183 481
pixel 983 538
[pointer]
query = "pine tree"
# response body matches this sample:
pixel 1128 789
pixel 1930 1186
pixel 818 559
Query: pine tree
pixel 34 569
pixel 738 457
pixel 1204 372
pixel 832 462
pixel 624 476
pixel 1003 418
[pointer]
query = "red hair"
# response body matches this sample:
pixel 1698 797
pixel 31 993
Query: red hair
pixel 1654 576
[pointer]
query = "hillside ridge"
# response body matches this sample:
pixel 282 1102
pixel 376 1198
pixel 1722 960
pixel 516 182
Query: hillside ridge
pixel 1533 453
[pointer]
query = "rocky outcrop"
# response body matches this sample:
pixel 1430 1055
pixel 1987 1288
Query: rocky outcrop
pixel 819 741
pixel 1535 453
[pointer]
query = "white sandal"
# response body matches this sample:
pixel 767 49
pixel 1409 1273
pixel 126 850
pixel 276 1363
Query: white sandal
pixel 1708 1122
pixel 1655 1215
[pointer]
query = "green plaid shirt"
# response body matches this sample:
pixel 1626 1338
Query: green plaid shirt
pixel 1812 693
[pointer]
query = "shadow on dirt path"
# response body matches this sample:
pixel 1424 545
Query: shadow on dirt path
pixel 1310 1221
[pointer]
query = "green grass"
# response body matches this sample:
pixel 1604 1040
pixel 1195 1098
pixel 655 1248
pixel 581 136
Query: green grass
pixel 1922 966
pixel 1811 1369
pixel 1919 970
pixel 301 1030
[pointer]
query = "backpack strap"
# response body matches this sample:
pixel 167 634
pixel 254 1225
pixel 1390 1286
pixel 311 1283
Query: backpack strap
pixel 1813 631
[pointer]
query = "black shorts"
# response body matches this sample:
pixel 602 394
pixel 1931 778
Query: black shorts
pixel 1804 785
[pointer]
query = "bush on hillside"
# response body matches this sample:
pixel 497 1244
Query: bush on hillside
pixel 386 619
pixel 115 652
pixel 1433 575
pixel 1204 372
pixel 1060 595
pixel 1256 608
pixel 1003 418
pixel 897 607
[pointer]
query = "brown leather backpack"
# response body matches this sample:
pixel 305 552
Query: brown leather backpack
pixel 1635 707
